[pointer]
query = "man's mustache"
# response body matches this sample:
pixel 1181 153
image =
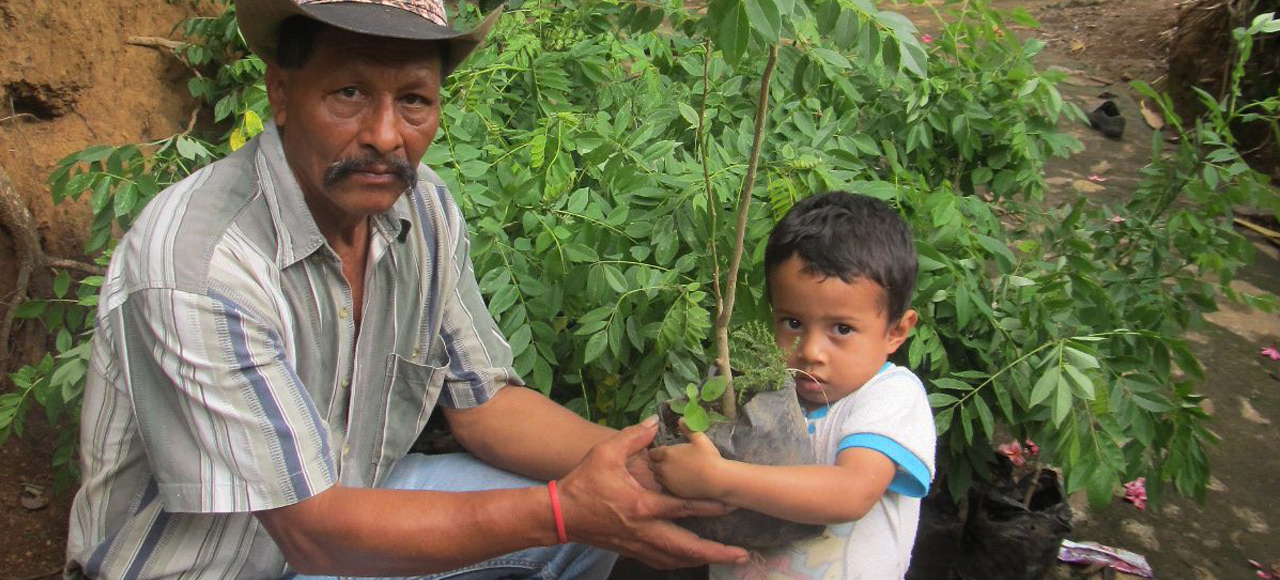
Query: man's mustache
pixel 406 172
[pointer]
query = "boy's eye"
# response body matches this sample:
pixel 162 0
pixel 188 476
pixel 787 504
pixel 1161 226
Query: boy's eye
pixel 790 324
pixel 843 329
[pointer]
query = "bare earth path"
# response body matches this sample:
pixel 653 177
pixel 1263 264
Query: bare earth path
pixel 1112 41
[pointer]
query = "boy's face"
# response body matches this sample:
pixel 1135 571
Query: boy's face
pixel 836 332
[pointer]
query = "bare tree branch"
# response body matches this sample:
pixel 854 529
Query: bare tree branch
pixel 63 264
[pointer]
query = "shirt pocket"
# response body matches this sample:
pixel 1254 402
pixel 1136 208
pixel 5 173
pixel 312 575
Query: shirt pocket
pixel 412 391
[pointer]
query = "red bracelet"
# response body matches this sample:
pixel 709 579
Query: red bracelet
pixel 555 511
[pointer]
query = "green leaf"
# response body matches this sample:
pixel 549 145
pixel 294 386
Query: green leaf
pixel 61 283
pixel 942 421
pixel 695 417
pixel 615 278
pixel 713 388
pixel 996 247
pixel 941 400
pixel 953 384
pixel 1045 386
pixel 1082 383
pixel 29 309
pixel 765 19
pixel 1062 403
pixel 125 199
pixel 595 347
pixel 689 113
pixel 730 28
pixel 985 416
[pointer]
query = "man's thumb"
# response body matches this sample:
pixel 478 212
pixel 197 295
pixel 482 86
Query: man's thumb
pixel 635 438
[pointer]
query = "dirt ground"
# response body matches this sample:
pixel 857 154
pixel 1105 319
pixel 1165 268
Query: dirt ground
pixel 69 80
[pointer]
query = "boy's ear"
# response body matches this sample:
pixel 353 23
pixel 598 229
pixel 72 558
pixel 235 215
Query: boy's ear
pixel 899 332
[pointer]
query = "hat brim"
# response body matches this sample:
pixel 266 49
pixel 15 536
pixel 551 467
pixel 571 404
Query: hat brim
pixel 260 20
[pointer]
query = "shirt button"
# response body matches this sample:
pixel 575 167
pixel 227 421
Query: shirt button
pixel 342 312
pixel 416 352
pixel 346 382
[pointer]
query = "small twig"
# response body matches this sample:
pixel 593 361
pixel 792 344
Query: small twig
pixel 18 116
pixel 1031 490
pixel 171 46
pixel 191 123
pixel 91 269
pixel 154 42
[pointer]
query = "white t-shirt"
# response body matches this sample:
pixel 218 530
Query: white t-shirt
pixel 890 414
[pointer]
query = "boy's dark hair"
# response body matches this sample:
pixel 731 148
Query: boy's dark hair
pixel 296 41
pixel 849 236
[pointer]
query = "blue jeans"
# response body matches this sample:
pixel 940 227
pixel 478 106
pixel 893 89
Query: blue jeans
pixel 463 472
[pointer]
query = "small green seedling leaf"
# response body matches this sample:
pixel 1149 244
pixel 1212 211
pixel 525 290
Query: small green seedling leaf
pixel 696 418
pixel 713 388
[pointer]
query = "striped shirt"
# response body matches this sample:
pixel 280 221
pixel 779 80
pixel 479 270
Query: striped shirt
pixel 226 376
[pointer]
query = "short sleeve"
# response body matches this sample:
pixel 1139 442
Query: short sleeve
pixel 225 422
pixel 480 359
pixel 891 415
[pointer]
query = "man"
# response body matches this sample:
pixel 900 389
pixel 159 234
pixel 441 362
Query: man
pixel 276 329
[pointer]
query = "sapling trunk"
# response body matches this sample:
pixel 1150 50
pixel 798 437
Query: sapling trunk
pixel 728 401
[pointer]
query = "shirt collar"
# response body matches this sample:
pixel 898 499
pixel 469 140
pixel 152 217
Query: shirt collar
pixel 296 229
pixel 822 411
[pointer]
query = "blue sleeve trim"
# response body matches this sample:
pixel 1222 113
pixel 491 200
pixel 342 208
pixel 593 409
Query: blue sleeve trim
pixel 912 479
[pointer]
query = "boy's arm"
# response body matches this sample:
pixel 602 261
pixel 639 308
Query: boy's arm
pixel 816 494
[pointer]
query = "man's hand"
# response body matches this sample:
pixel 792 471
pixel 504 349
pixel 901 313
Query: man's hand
pixel 605 506
pixel 640 466
pixel 693 469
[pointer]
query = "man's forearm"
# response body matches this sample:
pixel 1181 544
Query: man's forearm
pixel 521 431
pixel 375 532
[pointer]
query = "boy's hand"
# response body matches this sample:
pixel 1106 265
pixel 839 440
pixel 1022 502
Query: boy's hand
pixel 690 470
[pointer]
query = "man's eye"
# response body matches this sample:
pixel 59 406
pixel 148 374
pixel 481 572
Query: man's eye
pixel 416 100
pixel 843 329
pixel 349 92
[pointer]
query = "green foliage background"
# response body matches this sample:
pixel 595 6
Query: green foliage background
pixel 598 146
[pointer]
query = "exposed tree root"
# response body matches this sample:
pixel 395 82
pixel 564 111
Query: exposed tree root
pixel 16 219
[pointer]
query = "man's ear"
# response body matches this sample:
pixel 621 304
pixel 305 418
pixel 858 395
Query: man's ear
pixel 900 331
pixel 276 92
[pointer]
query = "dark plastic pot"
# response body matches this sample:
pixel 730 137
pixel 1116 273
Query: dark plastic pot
pixel 1005 540
pixel 770 430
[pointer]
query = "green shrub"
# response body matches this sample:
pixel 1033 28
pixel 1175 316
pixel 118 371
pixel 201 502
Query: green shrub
pixel 598 146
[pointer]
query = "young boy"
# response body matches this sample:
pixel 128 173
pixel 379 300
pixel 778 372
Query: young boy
pixel 840 270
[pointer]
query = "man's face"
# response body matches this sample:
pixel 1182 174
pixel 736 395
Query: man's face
pixel 355 121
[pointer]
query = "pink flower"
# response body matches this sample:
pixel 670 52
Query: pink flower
pixel 1014 452
pixel 1115 219
pixel 1097 178
pixel 927 39
pixel 1136 492
pixel 1033 448
pixel 1271 352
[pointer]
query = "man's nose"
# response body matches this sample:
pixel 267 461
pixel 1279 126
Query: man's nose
pixel 380 127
